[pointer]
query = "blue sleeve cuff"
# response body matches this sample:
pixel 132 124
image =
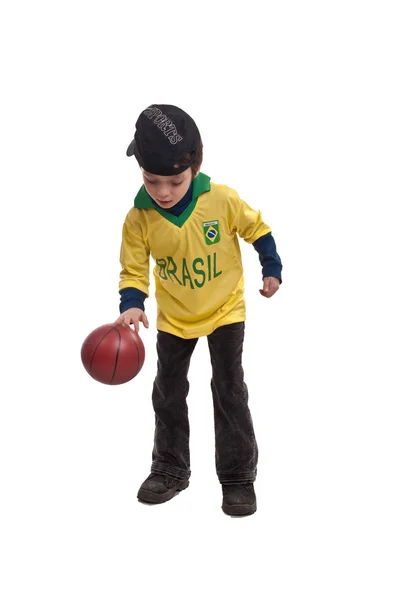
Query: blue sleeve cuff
pixel 131 298
pixel 269 258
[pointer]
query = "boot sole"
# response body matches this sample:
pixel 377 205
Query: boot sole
pixel 153 498
pixel 239 510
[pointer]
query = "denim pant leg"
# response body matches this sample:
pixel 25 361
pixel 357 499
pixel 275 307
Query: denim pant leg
pixel 236 446
pixel 170 454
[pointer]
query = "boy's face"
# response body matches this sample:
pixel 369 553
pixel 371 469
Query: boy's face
pixel 167 190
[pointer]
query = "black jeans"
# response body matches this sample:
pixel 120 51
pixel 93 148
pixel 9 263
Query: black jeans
pixel 235 442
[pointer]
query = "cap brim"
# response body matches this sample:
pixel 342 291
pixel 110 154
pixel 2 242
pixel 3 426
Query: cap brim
pixel 131 149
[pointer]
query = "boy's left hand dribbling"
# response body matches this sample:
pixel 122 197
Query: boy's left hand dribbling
pixel 270 286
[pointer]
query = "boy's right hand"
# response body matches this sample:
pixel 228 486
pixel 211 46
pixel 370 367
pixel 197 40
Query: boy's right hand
pixel 134 316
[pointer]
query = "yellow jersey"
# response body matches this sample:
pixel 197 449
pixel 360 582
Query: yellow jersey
pixel 198 268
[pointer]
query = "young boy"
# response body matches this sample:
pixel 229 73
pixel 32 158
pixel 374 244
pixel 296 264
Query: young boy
pixel 190 227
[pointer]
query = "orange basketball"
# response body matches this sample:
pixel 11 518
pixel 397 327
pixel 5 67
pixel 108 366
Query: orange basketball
pixel 113 354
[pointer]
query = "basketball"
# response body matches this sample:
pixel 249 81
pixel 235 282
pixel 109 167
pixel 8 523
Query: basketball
pixel 113 354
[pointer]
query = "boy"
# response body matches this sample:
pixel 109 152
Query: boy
pixel 190 226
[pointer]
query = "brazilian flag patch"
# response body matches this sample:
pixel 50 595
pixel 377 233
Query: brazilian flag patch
pixel 211 230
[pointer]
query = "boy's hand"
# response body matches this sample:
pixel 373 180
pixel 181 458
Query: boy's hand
pixel 134 316
pixel 270 286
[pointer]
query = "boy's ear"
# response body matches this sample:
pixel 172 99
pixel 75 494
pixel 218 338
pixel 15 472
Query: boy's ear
pixel 197 171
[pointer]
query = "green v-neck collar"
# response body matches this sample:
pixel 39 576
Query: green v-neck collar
pixel 201 184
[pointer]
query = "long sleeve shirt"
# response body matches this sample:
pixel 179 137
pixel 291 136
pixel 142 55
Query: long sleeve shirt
pixel 176 273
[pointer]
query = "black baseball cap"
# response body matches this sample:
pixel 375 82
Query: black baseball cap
pixel 164 135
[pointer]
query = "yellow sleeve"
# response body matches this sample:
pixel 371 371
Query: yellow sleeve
pixel 246 221
pixel 134 258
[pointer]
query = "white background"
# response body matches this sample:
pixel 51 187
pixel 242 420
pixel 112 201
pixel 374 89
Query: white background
pixel 297 106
